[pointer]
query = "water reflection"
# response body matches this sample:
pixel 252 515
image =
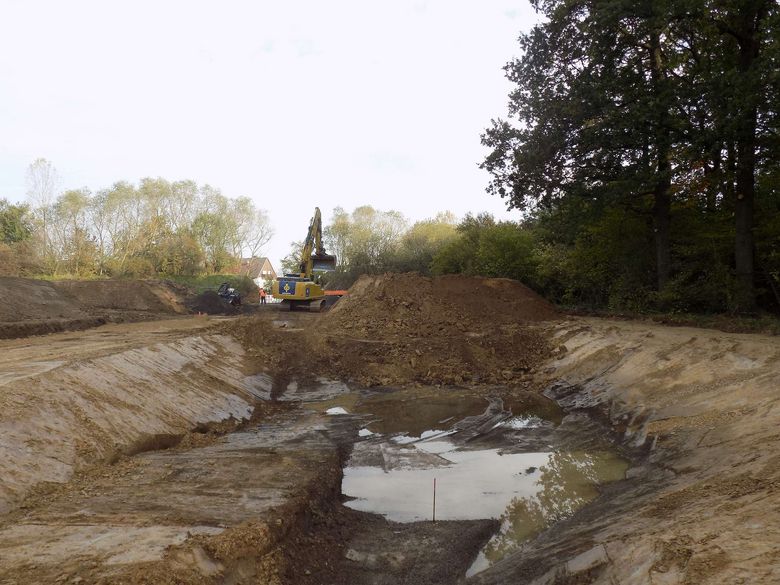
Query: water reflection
pixel 413 438
pixel 527 491
pixel 566 483
pixel 413 415
pixel 470 484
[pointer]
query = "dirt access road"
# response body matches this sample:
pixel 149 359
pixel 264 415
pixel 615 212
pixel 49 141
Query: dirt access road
pixel 201 450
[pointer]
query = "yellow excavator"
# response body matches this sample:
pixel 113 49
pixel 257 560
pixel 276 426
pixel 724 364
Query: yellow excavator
pixel 303 289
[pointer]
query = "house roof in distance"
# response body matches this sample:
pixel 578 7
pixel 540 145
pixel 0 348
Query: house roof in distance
pixel 253 266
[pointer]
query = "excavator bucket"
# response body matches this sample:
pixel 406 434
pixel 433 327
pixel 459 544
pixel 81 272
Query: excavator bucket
pixel 323 262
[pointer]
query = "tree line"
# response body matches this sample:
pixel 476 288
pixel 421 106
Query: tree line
pixel 155 228
pixel 643 143
pixel 372 241
pixel 603 266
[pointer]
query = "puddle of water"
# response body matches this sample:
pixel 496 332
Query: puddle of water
pixel 413 414
pixel 534 406
pixel 346 401
pixel 564 484
pixel 478 484
pixel 410 412
pixel 392 471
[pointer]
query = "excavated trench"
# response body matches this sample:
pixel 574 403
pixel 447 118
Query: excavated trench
pixel 323 483
pixel 180 459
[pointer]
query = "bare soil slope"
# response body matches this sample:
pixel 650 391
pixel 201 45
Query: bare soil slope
pixel 28 299
pixel 34 307
pixel 151 296
pixel 703 507
pixel 74 398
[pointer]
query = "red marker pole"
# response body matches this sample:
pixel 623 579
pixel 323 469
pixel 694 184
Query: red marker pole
pixel 434 499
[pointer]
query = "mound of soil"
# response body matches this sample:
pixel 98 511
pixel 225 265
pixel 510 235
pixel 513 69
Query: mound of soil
pixel 403 328
pixel 36 307
pixel 211 303
pixel 409 301
pixel 128 295
pixel 26 299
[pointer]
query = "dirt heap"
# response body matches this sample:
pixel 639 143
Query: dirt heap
pixel 151 296
pixel 403 302
pixel 25 299
pixel 403 328
pixel 33 307
pixel 211 303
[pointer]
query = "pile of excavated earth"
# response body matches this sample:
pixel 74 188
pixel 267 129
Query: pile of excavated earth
pixel 36 307
pixel 404 328
pixel 186 449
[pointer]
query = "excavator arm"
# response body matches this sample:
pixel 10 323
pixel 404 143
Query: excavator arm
pixel 313 256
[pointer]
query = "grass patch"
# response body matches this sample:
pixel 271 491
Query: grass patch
pixel 243 284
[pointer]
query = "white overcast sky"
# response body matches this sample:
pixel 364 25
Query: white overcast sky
pixel 294 104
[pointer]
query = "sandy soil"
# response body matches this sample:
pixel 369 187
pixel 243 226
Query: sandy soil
pixel 111 473
pixel 38 307
pixel 702 506
pixel 70 399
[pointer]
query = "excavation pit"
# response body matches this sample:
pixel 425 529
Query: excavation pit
pixel 490 459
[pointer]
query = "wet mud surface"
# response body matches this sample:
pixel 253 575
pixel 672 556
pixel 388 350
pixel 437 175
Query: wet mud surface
pixel 177 508
pixel 302 449
pixel 522 462
pixel 118 521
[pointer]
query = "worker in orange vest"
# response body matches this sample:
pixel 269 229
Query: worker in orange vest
pixel 262 296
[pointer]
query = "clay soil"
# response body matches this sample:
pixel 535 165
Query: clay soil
pixel 117 469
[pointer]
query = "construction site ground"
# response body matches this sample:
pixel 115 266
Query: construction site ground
pixel 284 447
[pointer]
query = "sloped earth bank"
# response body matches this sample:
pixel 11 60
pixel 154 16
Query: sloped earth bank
pixel 704 505
pixel 198 451
pixel 37 307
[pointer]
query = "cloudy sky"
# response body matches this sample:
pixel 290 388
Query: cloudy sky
pixel 295 104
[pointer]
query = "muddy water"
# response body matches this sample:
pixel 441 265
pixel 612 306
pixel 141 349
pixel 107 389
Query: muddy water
pixel 489 459
pixel 413 415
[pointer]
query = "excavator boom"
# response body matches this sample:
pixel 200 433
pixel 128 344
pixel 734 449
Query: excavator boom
pixel 314 258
